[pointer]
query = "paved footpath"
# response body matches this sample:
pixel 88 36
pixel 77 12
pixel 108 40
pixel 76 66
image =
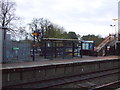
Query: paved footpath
pixel 55 61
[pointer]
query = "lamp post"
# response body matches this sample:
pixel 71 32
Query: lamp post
pixel 117 45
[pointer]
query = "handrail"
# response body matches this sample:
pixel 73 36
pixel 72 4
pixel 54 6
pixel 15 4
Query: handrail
pixel 102 43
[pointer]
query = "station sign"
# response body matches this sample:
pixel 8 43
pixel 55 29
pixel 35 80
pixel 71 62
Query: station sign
pixel 15 48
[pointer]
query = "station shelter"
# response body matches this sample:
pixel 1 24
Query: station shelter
pixel 66 48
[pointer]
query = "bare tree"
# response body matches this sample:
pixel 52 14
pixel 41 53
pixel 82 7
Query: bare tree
pixel 7 18
pixel 41 26
pixel 7 15
pixel 7 12
pixel 20 34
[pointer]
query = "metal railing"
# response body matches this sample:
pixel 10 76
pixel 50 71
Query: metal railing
pixel 110 39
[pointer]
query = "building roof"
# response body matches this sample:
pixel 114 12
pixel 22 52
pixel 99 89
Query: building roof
pixel 58 39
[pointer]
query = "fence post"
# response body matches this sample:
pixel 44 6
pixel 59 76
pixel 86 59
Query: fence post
pixel 81 51
pixel 73 49
pixel 64 49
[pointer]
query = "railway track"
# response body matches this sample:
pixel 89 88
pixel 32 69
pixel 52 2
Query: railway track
pixel 113 85
pixel 51 83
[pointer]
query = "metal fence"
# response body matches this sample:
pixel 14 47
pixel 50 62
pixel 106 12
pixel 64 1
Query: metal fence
pixel 16 51
pixel 23 51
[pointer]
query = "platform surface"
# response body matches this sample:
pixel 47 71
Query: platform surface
pixel 56 61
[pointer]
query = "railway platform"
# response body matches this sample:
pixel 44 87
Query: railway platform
pixel 87 72
pixel 45 62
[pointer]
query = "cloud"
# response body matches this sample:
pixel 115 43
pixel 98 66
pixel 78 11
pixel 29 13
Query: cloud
pixel 84 15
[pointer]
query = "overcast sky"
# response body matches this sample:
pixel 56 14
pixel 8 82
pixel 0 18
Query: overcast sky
pixel 81 16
